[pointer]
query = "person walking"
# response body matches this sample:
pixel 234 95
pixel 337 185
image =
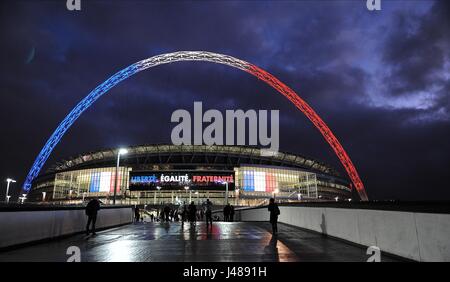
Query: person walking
pixel 172 215
pixel 207 206
pixel 167 213
pixel 274 213
pixel 192 212
pixel 184 214
pixel 91 211
pixel 137 215
pixel 231 213
pixel 175 216
pixel 226 213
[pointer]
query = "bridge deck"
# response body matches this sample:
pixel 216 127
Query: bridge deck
pixel 237 241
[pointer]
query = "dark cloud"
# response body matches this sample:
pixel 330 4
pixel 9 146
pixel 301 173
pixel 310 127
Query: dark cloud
pixel 318 48
pixel 417 57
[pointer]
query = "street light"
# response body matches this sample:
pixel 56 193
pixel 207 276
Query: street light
pixel 23 198
pixel 190 193
pixel 122 151
pixel 226 191
pixel 276 191
pixel 9 180
pixel 159 189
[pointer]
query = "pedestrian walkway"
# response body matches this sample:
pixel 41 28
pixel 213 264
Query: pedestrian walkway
pixel 167 242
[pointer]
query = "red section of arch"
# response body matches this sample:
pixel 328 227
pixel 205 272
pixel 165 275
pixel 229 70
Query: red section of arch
pixel 318 123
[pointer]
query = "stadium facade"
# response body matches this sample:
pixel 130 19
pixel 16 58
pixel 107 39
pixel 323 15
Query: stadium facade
pixel 155 174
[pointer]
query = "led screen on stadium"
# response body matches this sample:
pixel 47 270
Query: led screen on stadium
pixel 259 181
pixel 179 180
pixel 103 181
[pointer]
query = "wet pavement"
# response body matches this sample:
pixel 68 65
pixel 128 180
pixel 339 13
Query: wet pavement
pixel 173 242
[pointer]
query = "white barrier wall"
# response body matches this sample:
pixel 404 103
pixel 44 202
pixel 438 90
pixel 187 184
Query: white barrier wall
pixel 18 227
pixel 417 236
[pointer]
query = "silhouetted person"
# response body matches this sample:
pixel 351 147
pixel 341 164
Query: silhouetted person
pixel 184 214
pixel 161 215
pixel 91 211
pixel 167 213
pixel 208 212
pixel 152 217
pixel 231 213
pixel 172 215
pixel 192 212
pixel 137 215
pixel 226 213
pixel 274 213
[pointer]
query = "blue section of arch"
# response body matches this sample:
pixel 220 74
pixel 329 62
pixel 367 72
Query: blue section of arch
pixel 73 116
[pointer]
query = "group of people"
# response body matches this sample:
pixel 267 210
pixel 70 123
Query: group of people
pixel 192 215
pixel 185 213
pixel 228 213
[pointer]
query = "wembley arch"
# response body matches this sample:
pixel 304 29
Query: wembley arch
pixel 205 57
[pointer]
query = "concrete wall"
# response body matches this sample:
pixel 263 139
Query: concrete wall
pixel 417 236
pixel 18 227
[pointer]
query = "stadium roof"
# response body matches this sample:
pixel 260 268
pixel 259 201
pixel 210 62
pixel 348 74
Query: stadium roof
pixel 193 154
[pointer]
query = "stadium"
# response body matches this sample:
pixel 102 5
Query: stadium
pixel 161 174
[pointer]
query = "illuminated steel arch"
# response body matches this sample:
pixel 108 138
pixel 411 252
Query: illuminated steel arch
pixel 196 56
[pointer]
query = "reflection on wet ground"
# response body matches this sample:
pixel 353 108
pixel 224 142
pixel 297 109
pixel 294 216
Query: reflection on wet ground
pixel 225 241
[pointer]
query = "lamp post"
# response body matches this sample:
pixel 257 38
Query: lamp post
pixel 226 193
pixel 198 199
pixel 275 192
pixel 23 198
pixel 187 188
pixel 8 180
pixel 159 189
pixel 122 151
pixel 190 195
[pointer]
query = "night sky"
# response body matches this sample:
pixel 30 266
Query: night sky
pixel 380 79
